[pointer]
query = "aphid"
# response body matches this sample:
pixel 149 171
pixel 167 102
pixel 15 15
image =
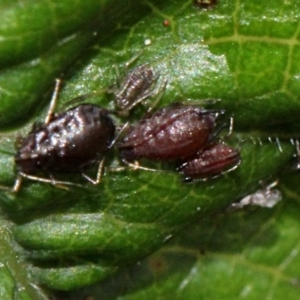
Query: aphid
pixel 205 4
pixel 267 197
pixel 171 133
pixel 214 160
pixel 66 142
pixel 136 87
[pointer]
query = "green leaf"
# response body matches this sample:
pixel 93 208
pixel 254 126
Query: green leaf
pixel 249 254
pixel 236 52
pixel 15 282
pixel 45 38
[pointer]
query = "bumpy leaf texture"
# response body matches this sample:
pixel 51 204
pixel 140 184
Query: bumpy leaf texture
pixel 242 53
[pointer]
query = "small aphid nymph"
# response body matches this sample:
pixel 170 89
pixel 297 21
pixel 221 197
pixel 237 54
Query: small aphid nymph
pixel 136 87
pixel 214 160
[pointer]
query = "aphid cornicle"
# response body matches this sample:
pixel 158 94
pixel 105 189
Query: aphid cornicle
pixel 171 133
pixel 214 160
pixel 136 87
pixel 66 142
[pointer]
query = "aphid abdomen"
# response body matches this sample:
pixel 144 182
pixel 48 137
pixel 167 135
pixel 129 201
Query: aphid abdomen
pixel 214 160
pixel 174 132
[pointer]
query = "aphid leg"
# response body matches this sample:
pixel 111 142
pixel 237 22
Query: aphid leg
pixel 16 186
pixel 271 185
pixel 217 132
pixel 137 166
pixel 230 129
pixel 17 183
pixel 134 166
pixel 157 93
pixel 52 181
pixel 123 128
pixel 221 127
pixel 53 101
pixel 99 174
pixel 297 145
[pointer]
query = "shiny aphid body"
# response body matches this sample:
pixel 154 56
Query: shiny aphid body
pixel 70 141
pixel 215 159
pixel 171 133
pixel 183 133
pixel 135 88
pixel 67 142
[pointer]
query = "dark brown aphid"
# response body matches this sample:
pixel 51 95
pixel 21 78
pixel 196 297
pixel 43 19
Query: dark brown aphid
pixel 70 141
pixel 205 4
pixel 214 160
pixel 66 142
pixel 136 87
pixel 171 133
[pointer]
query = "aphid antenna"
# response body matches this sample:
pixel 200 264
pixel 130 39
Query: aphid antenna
pixel 194 102
pixel 217 112
pixel 297 145
pixel 277 140
pixel 133 59
pixel 53 100
pixel 217 132
pixel 127 65
pixel 269 186
pixel 82 98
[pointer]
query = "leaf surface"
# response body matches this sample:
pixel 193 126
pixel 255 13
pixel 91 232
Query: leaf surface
pixel 78 236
